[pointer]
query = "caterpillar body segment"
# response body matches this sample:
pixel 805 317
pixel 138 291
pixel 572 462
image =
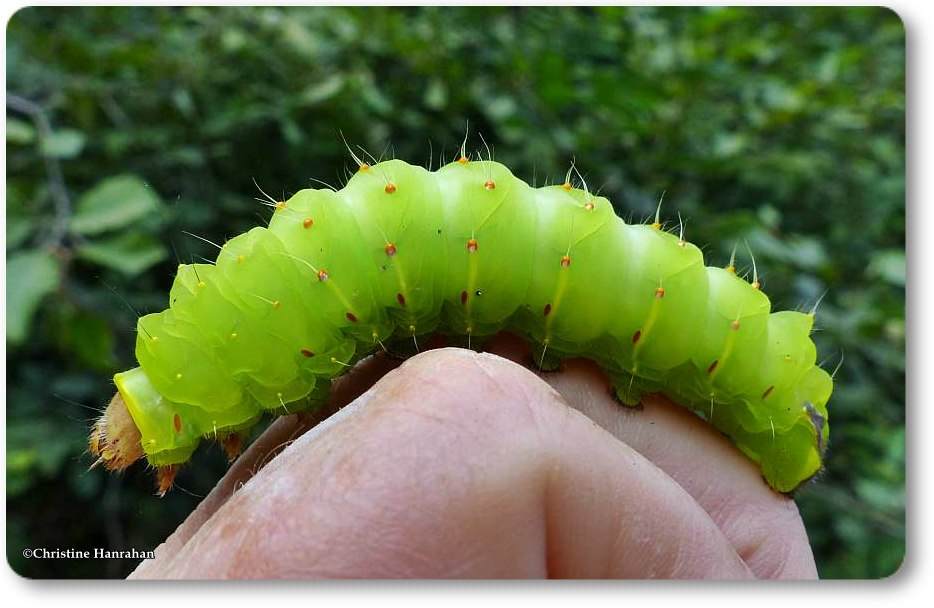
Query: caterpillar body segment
pixel 469 250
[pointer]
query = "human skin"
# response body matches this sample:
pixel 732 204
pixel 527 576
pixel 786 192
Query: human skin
pixel 468 465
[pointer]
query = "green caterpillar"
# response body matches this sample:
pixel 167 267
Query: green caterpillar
pixel 468 250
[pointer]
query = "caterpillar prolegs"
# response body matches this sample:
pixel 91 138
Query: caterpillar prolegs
pixel 401 253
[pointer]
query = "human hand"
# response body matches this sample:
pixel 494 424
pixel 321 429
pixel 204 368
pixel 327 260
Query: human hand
pixel 466 465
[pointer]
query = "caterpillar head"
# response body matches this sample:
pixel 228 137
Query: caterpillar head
pixel 114 438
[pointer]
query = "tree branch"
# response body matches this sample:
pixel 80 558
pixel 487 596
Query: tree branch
pixel 57 188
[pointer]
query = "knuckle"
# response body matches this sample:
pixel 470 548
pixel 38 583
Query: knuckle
pixel 470 389
pixel 772 536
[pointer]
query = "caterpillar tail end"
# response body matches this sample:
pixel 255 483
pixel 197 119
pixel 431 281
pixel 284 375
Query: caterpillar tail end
pixel 115 442
pixel 114 439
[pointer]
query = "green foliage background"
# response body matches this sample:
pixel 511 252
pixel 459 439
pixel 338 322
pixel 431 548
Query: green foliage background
pixel 783 127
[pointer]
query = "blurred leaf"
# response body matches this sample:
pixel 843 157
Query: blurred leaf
pixel 879 495
pixel 130 252
pixel 84 336
pixel 183 101
pixel 30 276
pixel 800 251
pixel 436 96
pixel 888 265
pixel 376 100
pixel 770 216
pixel 35 448
pixel 501 107
pixel 18 230
pixel 19 132
pixel 322 91
pixel 64 143
pixel 114 203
